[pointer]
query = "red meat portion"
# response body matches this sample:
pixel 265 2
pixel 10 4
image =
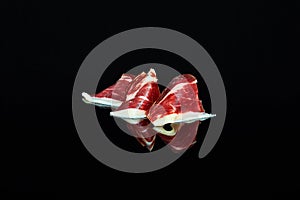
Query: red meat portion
pixel 141 94
pixel 118 90
pixel 179 102
pixel 112 96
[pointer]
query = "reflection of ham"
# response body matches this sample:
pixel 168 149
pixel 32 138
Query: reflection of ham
pixel 179 102
pixel 141 94
pixel 185 136
pixel 179 138
pixel 144 133
pixel 112 96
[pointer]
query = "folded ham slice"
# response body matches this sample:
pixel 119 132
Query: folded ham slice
pixel 112 96
pixel 141 94
pixel 179 102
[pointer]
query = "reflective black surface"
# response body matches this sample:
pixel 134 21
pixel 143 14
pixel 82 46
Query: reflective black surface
pixel 254 44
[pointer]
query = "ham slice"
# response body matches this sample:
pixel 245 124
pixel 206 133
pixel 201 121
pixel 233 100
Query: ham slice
pixel 141 94
pixel 112 96
pixel 179 102
pixel 144 133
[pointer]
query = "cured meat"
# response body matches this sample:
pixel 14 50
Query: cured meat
pixel 179 102
pixel 144 133
pixel 184 137
pixel 141 94
pixel 112 96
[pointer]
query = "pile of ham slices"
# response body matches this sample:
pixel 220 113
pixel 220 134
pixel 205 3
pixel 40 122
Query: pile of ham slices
pixel 137 100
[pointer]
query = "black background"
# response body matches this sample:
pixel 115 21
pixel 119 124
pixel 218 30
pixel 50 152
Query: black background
pixel 255 46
